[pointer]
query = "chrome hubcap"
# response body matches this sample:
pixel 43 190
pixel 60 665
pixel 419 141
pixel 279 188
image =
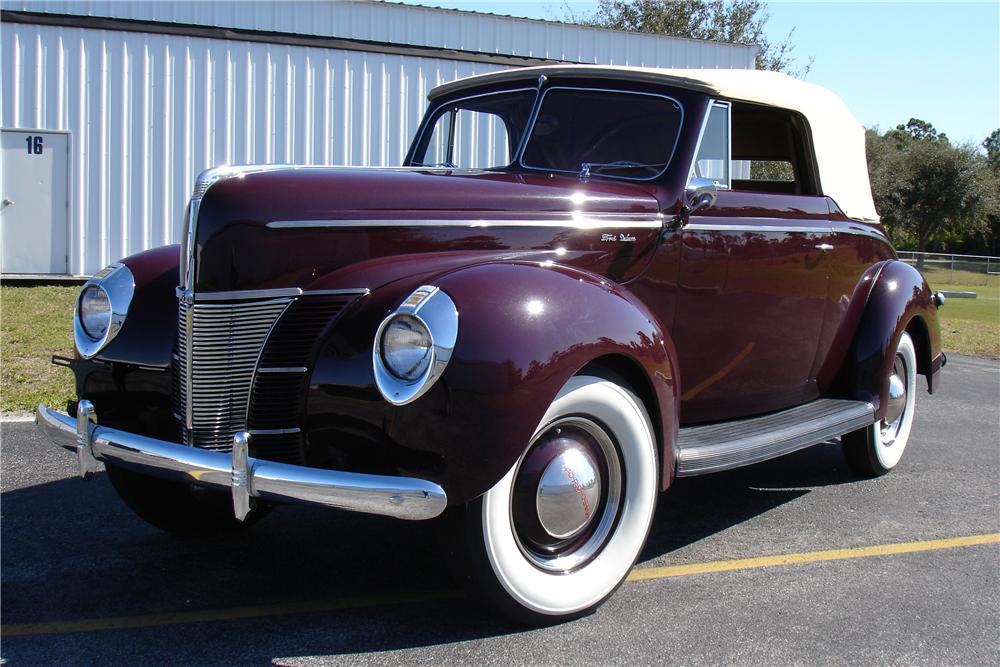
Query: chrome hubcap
pixel 567 495
pixel 896 404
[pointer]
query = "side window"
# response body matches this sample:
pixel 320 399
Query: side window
pixel 468 139
pixel 771 151
pixel 712 161
pixel 440 148
pixel 481 140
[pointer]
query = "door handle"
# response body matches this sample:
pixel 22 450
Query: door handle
pixel 7 202
pixel 824 247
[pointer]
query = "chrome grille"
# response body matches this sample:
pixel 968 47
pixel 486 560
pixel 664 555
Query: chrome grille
pixel 217 349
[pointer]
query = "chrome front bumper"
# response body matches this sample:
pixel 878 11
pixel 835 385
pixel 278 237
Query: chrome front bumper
pixel 245 476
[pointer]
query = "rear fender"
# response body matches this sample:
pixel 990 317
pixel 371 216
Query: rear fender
pixel 899 300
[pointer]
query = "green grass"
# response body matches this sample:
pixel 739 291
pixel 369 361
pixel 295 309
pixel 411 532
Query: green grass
pixel 943 275
pixel 971 326
pixel 35 323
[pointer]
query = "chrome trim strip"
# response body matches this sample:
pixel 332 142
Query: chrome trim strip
pixel 274 431
pixel 862 231
pixel 519 158
pixel 794 229
pixel 729 145
pixel 188 378
pixel 239 295
pixel 400 497
pixel 360 291
pixel 283 369
pixel 278 292
pixel 703 227
pixel 582 222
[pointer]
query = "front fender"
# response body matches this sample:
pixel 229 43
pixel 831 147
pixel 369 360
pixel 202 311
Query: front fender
pixel 524 330
pixel 150 329
pixel 899 300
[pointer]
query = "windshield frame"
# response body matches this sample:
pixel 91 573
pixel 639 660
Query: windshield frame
pixel 433 115
pixel 541 90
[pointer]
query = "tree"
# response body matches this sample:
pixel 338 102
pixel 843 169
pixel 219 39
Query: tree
pixel 992 146
pixel 734 21
pixel 988 190
pixel 917 129
pixel 923 185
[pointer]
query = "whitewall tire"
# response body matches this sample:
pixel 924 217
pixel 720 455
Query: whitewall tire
pixel 563 528
pixel 877 449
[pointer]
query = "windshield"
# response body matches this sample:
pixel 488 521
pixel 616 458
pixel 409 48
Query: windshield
pixel 591 132
pixel 579 130
pixel 479 132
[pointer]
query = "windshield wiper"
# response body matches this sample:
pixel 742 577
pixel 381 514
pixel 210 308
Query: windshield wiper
pixel 587 167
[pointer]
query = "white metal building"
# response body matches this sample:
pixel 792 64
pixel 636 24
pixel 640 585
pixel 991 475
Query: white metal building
pixel 110 110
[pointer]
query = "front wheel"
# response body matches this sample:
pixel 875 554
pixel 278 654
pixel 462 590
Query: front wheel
pixel 876 450
pixel 560 531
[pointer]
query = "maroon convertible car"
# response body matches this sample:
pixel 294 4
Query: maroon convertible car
pixel 584 283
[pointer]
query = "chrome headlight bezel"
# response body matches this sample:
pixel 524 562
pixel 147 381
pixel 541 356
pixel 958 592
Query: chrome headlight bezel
pixel 118 283
pixel 437 313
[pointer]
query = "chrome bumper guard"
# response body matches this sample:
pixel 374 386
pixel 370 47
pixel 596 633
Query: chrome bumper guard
pixel 245 476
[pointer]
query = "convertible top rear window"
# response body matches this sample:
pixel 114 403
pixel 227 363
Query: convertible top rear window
pixel 603 132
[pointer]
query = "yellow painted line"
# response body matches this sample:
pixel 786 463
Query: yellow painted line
pixel 209 615
pixel 646 573
pixel 361 602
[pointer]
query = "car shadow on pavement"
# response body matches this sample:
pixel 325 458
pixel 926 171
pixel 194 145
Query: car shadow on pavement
pixel 71 551
pixel 697 507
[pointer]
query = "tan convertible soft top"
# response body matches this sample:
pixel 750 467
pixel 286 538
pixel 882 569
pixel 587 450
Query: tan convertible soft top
pixel 839 139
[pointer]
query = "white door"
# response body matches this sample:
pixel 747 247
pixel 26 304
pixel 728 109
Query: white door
pixel 34 218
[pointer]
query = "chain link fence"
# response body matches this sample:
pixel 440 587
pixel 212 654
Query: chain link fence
pixel 941 269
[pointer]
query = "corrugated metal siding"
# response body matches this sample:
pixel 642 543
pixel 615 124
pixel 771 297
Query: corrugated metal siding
pixel 425 26
pixel 148 112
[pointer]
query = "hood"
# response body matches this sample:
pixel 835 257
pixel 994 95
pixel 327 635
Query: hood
pixel 330 228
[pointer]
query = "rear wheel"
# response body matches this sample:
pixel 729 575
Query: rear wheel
pixel 876 450
pixel 178 508
pixel 561 530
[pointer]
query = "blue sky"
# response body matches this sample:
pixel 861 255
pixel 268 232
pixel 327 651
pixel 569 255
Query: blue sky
pixel 890 61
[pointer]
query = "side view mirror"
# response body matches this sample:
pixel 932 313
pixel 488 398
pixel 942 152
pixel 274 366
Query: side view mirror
pixel 699 193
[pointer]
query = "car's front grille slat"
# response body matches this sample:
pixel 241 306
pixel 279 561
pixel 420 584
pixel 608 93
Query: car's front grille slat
pixel 217 390
pixel 218 345
pixel 276 399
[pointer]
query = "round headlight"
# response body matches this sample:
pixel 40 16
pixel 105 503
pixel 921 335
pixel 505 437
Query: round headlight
pixel 406 348
pixel 95 311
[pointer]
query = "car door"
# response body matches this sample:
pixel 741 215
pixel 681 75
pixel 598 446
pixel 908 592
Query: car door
pixel 752 288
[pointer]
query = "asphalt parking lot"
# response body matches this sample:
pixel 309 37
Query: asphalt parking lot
pixel 904 569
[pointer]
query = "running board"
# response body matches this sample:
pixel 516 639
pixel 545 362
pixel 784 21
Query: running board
pixel 714 447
